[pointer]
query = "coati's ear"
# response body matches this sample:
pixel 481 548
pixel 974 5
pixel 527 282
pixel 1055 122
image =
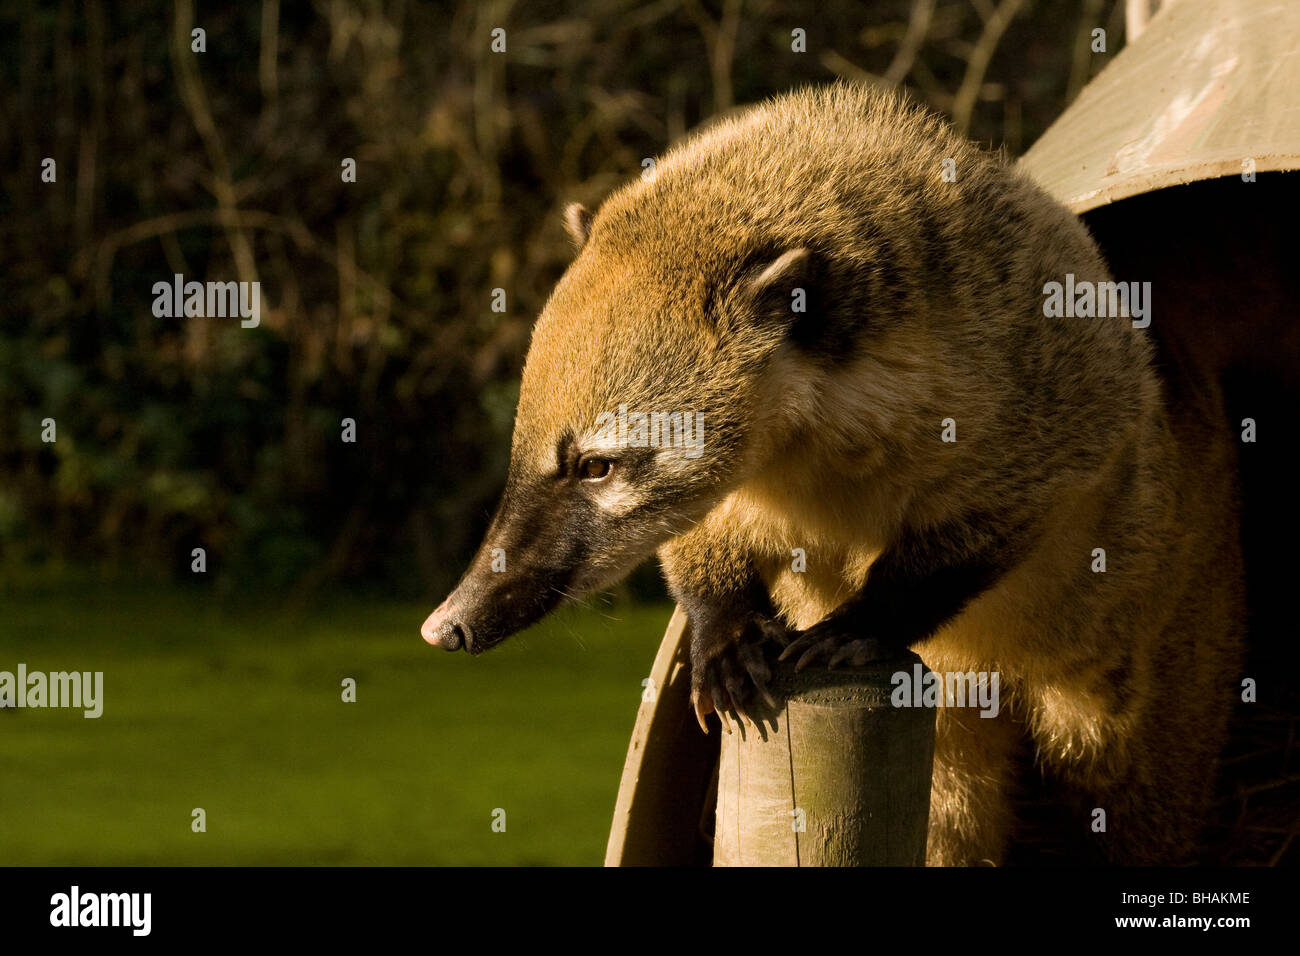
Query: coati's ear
pixel 776 290
pixel 577 222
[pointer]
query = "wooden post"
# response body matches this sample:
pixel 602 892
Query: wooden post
pixel 839 777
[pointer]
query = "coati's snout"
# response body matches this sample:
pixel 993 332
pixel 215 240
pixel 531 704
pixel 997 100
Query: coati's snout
pixel 579 512
pixel 534 550
pixel 583 523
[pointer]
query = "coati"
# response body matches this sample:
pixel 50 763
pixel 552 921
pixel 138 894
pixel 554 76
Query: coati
pixel 851 299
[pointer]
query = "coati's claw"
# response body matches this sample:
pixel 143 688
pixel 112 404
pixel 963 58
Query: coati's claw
pixel 809 645
pixel 813 646
pixel 721 706
pixel 858 653
pixel 751 655
pixel 732 673
pixel 701 712
pixel 734 679
pixel 819 650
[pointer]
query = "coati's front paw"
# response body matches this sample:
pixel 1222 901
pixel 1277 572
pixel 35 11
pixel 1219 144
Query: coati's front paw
pixel 726 674
pixel 821 644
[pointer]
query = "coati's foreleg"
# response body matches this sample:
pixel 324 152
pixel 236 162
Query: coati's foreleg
pixel 971 807
pixel 919 582
pixel 728 656
pixel 732 625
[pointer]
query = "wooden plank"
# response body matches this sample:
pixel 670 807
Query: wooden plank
pixel 668 769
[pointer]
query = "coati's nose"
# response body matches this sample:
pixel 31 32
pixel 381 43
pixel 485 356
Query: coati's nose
pixel 444 630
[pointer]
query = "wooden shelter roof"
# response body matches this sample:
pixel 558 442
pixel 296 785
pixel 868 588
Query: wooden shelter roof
pixel 1207 85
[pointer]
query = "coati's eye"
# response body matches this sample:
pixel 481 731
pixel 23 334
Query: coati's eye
pixel 594 469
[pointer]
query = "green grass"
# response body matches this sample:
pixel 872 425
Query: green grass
pixel 241 713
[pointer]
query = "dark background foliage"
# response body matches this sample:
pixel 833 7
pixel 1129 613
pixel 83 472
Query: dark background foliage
pixel 225 165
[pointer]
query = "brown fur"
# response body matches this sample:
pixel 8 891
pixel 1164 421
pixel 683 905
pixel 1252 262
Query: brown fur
pixel 823 433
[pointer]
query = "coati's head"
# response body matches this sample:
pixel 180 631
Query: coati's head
pixel 645 399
